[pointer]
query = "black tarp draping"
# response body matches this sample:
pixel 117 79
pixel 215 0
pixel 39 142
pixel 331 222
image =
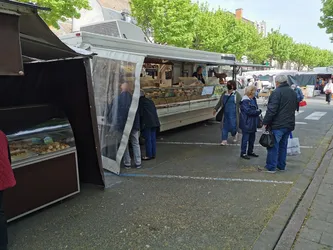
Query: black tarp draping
pixel 62 86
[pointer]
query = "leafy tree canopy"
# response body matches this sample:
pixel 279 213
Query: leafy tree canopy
pixel 326 20
pixel 60 9
pixel 281 46
pixel 172 22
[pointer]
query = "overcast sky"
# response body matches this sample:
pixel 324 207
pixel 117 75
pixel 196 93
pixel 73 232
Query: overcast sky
pixel 297 18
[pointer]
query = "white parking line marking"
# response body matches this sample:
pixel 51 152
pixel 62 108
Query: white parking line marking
pixel 211 144
pixel 315 116
pixel 296 113
pixel 206 178
pixel 301 123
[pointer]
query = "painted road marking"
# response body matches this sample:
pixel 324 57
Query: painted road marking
pixel 206 178
pixel 296 113
pixel 301 123
pixel 315 116
pixel 212 144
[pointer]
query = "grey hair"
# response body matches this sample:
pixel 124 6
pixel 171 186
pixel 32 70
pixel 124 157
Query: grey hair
pixel 281 78
pixel 142 92
pixel 250 90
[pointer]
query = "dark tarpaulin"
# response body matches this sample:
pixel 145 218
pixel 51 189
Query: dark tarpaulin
pixel 302 79
pixel 10 48
pixel 24 34
pixel 61 88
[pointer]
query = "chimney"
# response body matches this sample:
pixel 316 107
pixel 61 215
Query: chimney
pixel 239 14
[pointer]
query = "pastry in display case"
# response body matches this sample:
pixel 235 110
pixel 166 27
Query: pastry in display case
pixel 53 136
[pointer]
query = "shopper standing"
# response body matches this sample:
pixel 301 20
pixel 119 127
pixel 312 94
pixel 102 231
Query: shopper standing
pixel 328 89
pixel 149 125
pixel 7 180
pixel 280 119
pixel 229 105
pixel 299 95
pixel 118 118
pixel 248 123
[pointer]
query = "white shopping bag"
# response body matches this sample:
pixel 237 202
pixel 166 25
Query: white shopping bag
pixel 293 147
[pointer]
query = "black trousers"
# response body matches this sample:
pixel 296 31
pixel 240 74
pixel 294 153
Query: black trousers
pixel 297 108
pixel 3 226
pixel 328 97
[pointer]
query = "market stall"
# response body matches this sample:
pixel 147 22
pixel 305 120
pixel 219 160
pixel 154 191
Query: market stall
pixel 47 112
pixel 166 75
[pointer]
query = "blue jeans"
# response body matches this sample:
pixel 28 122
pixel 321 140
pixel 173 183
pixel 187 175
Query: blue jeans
pixel 277 155
pixel 247 139
pixel 150 141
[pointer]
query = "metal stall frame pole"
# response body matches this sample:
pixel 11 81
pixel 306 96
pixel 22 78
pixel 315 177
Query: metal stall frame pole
pixel 234 72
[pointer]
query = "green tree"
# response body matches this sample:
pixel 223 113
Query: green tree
pixel 219 31
pixel 326 20
pixel 171 22
pixel 303 55
pixel 258 49
pixel 60 9
pixel 325 58
pixel 281 46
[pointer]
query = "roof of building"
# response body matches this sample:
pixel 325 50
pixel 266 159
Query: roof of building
pixel 115 4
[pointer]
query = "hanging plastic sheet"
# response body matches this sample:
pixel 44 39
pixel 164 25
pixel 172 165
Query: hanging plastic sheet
pixel 116 82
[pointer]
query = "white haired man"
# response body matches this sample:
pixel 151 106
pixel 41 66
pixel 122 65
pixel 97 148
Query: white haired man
pixel 280 119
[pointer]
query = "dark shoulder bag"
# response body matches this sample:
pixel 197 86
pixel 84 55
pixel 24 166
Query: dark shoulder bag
pixel 267 139
pixel 219 115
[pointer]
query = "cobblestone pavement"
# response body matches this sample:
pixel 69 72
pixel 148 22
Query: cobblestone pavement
pixel 317 231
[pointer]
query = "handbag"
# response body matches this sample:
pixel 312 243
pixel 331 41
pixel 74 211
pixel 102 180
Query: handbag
pixel 260 121
pixel 267 139
pixel 219 115
pixel 302 103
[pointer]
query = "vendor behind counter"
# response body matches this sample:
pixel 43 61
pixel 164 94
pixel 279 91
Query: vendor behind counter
pixel 198 75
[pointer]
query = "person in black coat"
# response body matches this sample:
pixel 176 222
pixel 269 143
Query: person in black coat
pixel 280 119
pixel 149 125
pixel 248 123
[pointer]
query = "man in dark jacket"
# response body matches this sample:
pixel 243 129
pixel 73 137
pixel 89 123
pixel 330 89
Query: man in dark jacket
pixel 149 124
pixel 280 118
pixel 118 118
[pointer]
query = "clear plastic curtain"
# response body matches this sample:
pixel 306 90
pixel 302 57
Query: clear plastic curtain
pixel 115 110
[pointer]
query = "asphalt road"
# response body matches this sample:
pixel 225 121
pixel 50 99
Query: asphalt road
pixel 195 195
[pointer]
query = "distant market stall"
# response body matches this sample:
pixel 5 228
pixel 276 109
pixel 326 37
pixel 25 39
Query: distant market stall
pixel 45 110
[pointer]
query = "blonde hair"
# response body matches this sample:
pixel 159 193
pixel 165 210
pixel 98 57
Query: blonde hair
pixel 250 90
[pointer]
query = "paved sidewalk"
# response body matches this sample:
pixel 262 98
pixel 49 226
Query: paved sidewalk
pixel 317 231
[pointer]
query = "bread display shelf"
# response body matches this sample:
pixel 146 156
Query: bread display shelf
pixel 40 141
pixel 162 97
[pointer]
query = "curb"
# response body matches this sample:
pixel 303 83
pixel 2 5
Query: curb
pixel 270 237
pixel 289 235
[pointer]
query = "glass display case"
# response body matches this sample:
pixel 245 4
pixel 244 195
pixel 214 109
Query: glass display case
pixel 52 137
pixel 163 97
